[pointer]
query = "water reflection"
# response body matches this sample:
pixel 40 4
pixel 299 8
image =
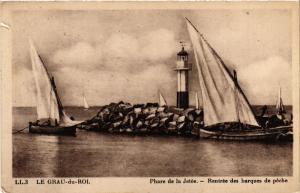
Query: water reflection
pixel 95 155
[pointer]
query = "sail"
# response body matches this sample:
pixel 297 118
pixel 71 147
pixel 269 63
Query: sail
pixel 197 101
pixel 223 99
pixel 47 105
pixel 279 104
pixel 162 100
pixel 85 104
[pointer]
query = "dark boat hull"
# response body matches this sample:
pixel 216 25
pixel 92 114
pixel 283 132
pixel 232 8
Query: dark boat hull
pixel 258 134
pixel 52 130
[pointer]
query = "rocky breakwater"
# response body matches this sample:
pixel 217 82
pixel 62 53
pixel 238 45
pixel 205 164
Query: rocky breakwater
pixel 147 118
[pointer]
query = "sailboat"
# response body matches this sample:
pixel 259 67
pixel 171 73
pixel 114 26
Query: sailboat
pixel 162 100
pixel 52 118
pixel 279 105
pixel 85 104
pixel 227 111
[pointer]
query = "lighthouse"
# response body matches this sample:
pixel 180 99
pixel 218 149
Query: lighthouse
pixel 182 79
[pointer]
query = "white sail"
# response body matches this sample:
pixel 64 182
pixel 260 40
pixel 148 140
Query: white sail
pixel 67 121
pixel 47 106
pixel 279 104
pixel 223 100
pixel 162 100
pixel 85 104
pixel 197 101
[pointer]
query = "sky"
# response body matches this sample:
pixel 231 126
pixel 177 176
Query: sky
pixel 113 55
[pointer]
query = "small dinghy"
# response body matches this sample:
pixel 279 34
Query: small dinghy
pixel 52 118
pixel 227 111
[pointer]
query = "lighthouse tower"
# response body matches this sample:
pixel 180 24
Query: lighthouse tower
pixel 182 79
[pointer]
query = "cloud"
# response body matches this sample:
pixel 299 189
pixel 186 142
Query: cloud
pixel 120 51
pixel 158 45
pixel 121 45
pixel 103 87
pixel 81 54
pixel 123 67
pixel 262 80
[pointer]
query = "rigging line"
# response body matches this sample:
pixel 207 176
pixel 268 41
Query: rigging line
pixel 237 103
pixel 50 103
pixel 20 130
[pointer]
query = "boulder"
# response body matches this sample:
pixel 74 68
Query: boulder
pixel 175 117
pixel 151 116
pixel 129 130
pixel 116 124
pixel 172 125
pixel 137 110
pixel 139 124
pixel 152 105
pixel 181 126
pixel 138 106
pixel 161 109
pixel 152 110
pixel 181 119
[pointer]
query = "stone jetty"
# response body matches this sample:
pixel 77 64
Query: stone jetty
pixel 147 118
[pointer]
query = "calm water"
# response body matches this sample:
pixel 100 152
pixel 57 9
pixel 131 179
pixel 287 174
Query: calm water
pixel 91 154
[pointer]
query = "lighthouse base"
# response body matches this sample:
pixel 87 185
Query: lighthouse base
pixel 183 99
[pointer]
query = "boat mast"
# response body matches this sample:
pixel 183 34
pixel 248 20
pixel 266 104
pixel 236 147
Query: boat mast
pixel 236 95
pixel 60 107
pixel 279 105
pixel 53 86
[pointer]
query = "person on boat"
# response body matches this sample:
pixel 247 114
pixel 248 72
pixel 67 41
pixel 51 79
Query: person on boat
pixel 274 121
pixel 264 110
pixel 46 123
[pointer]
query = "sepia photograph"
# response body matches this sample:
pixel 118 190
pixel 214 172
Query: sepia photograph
pixel 155 92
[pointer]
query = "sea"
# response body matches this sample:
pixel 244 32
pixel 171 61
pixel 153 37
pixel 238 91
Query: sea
pixel 92 154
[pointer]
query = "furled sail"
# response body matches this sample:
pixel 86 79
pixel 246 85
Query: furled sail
pixel 197 101
pixel 162 100
pixel 223 99
pixel 48 103
pixel 85 104
pixel 279 104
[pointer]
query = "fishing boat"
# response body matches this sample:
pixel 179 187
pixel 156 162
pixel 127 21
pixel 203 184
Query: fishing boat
pixel 227 111
pixel 85 104
pixel 51 116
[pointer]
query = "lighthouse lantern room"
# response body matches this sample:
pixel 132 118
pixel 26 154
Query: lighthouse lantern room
pixel 182 79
